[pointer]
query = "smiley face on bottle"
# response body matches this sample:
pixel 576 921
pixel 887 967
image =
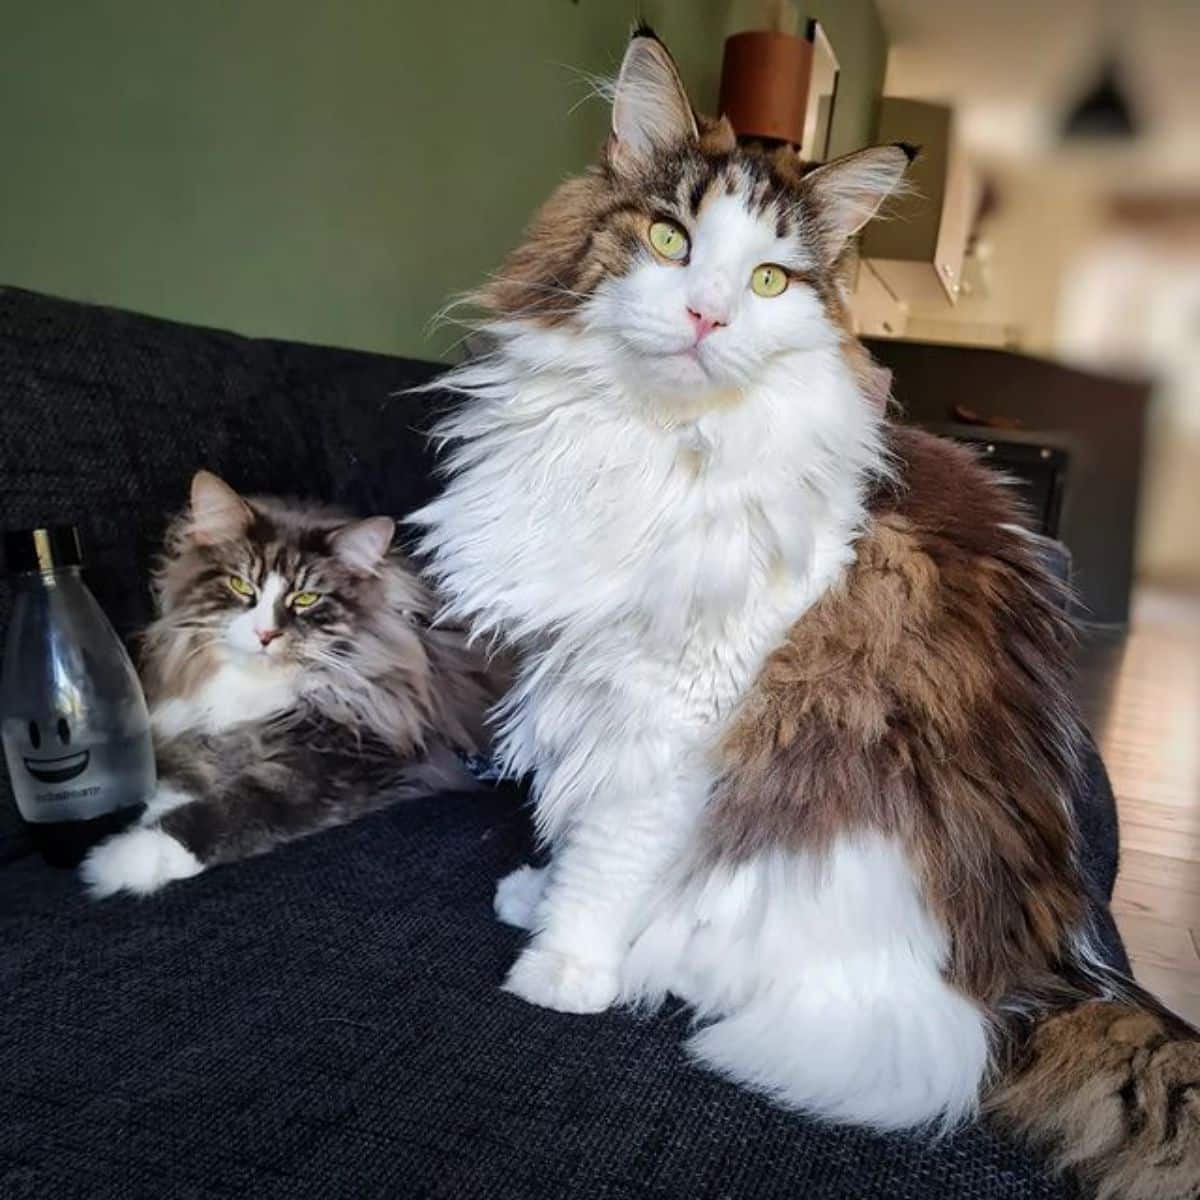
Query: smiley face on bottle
pixel 52 760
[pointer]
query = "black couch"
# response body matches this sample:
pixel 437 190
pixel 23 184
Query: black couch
pixel 325 1021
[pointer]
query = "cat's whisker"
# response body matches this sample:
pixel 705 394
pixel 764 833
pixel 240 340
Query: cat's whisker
pixel 554 288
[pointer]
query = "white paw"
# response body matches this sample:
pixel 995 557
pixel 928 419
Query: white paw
pixel 561 981
pixel 139 861
pixel 518 895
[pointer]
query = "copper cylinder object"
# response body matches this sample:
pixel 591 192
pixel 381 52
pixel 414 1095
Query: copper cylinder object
pixel 764 84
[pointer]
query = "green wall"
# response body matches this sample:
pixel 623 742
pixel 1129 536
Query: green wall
pixel 329 172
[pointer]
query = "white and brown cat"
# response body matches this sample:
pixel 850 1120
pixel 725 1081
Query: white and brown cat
pixel 793 689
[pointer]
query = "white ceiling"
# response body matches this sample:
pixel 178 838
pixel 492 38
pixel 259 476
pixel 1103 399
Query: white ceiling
pixel 1012 68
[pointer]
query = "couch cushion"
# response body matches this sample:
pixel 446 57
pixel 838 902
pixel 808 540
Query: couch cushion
pixel 325 1022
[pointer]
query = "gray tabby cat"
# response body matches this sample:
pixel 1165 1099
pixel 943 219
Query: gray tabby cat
pixel 294 684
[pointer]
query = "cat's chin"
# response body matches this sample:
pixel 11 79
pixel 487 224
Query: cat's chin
pixel 256 660
pixel 681 387
pixel 685 371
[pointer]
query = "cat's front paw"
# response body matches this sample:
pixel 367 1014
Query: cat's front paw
pixel 138 861
pixel 518 895
pixel 562 982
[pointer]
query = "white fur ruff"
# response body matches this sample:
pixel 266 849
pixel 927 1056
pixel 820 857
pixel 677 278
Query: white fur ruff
pixel 646 557
pixel 242 689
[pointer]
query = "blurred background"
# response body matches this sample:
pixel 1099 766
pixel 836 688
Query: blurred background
pixel 333 173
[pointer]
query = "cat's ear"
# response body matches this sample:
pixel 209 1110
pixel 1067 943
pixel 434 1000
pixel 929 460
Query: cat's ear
pixel 219 514
pixel 361 545
pixel 651 111
pixel 846 193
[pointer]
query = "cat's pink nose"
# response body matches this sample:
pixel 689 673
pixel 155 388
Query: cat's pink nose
pixel 703 324
pixel 267 636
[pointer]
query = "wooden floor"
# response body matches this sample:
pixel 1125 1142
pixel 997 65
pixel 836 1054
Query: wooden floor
pixel 1142 696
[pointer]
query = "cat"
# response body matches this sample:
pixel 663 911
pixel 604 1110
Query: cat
pixel 294 684
pixel 793 688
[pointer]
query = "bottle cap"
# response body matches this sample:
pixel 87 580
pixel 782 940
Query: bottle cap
pixel 46 549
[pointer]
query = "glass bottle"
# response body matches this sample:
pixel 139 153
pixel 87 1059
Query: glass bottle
pixel 73 719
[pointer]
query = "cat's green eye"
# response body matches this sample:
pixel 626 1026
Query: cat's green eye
pixel 769 280
pixel 305 599
pixel 240 587
pixel 669 240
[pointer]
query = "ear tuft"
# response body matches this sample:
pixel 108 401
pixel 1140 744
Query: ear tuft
pixel 218 513
pixel 651 111
pixel 846 193
pixel 361 545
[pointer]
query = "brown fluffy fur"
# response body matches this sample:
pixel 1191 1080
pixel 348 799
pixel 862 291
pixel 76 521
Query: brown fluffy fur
pixel 905 702
pixel 1113 1089
pixel 927 697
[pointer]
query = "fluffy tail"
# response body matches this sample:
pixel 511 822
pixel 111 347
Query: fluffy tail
pixel 1111 1088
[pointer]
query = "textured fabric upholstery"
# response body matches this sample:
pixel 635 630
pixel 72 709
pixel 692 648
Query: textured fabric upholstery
pixel 325 1021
